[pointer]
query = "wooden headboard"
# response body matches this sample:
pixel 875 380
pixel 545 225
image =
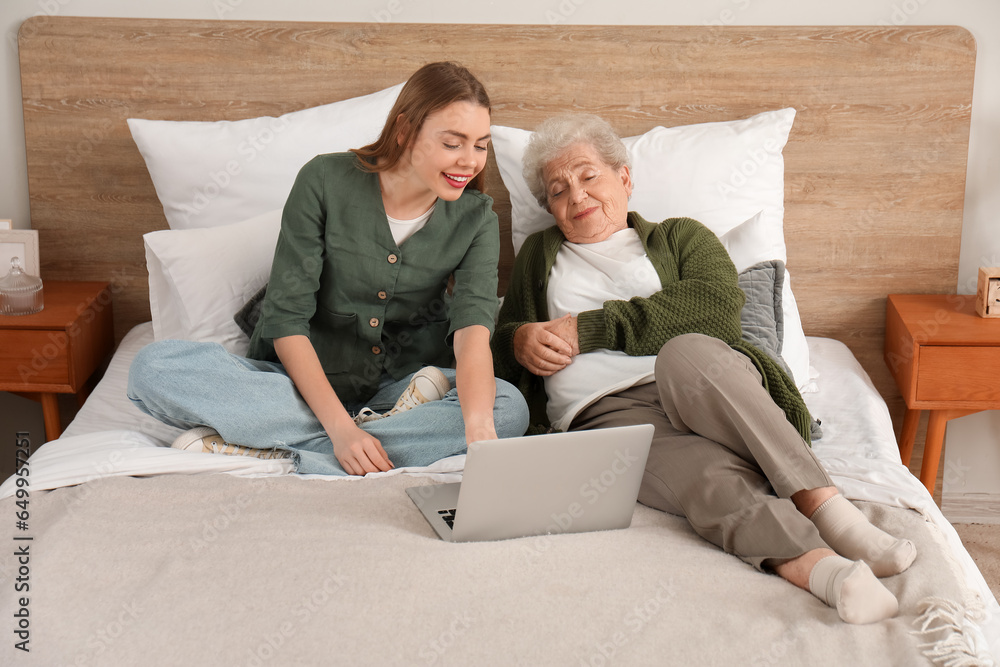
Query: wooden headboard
pixel 875 165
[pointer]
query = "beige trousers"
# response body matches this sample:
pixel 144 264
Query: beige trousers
pixel 723 454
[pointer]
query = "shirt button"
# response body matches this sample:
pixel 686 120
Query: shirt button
pixel 376 349
pixel 382 295
pixel 373 322
pixel 393 259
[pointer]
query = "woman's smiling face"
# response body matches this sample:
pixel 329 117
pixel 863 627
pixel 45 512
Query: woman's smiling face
pixel 587 197
pixel 451 148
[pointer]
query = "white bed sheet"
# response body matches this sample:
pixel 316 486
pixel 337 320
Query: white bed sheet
pixel 111 437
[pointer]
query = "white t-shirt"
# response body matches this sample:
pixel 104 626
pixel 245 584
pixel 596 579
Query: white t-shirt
pixel 404 229
pixel 584 276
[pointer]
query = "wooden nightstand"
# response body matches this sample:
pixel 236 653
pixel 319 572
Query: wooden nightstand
pixel 55 351
pixel 945 359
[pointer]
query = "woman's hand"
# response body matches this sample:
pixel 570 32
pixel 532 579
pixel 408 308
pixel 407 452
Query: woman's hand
pixel 546 347
pixel 565 328
pixel 359 452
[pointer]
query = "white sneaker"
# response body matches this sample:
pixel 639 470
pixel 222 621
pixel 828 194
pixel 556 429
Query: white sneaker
pixel 427 384
pixel 366 415
pixel 206 439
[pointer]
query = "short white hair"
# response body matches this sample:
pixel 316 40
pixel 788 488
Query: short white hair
pixel 558 133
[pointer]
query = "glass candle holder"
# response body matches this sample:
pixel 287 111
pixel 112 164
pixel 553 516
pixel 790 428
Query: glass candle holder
pixel 20 293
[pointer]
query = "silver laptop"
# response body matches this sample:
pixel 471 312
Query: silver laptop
pixel 536 485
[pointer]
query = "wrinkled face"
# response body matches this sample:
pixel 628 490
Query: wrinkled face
pixel 588 198
pixel 450 148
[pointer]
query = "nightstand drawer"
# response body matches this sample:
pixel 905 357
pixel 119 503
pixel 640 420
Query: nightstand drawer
pixel 958 373
pixel 34 357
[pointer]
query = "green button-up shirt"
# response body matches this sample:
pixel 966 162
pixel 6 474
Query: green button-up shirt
pixel 367 305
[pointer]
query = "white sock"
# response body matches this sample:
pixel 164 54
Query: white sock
pixel 852 589
pixel 848 532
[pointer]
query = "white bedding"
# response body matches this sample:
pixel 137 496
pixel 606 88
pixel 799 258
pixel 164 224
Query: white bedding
pixel 109 437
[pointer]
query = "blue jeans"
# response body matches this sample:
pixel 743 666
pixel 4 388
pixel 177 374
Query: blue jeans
pixel 255 404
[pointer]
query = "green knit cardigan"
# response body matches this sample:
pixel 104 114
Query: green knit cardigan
pixel 700 295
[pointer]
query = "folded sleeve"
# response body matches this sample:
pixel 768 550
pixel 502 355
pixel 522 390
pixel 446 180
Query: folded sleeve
pixel 474 295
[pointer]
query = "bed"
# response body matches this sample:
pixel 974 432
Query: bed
pixel 840 151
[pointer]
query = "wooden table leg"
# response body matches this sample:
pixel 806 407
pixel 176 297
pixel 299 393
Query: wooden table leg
pixel 934 443
pixel 50 414
pixel 932 448
pixel 908 435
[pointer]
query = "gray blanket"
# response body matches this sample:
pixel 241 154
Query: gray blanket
pixel 219 570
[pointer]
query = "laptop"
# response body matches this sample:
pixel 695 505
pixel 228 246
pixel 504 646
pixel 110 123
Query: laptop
pixel 569 482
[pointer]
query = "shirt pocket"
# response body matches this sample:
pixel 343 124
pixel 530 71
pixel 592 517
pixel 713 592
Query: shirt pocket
pixel 428 343
pixel 334 337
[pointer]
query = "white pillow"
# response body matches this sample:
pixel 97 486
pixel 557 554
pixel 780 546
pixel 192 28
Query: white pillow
pixel 218 173
pixel 748 243
pixel 721 174
pixel 200 278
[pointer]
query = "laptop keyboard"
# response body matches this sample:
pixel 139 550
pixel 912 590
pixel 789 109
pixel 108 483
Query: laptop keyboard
pixel 449 517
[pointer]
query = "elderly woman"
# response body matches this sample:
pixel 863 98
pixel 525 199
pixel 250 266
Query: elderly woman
pixel 611 320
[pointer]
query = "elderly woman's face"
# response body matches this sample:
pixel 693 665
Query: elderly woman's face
pixel 588 198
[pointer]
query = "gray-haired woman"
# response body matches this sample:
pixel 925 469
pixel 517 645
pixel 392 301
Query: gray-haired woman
pixel 611 320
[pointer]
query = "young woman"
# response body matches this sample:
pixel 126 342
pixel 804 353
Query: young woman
pixel 384 276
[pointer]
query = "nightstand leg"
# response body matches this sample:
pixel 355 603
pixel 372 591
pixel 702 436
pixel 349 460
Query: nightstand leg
pixel 934 443
pixel 50 414
pixel 909 434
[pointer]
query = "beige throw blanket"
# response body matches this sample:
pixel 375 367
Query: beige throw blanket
pixel 220 570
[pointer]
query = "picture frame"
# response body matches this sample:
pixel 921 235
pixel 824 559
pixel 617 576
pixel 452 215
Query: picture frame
pixel 988 292
pixel 6 224
pixel 21 243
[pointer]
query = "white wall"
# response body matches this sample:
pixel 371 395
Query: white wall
pixel 980 240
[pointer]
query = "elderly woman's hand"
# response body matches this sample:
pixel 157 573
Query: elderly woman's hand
pixel 546 347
